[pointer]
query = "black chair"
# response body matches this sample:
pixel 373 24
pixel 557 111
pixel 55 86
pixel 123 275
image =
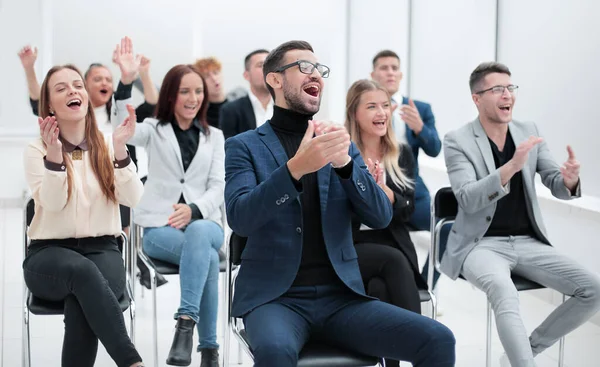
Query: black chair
pixel 313 354
pixel 38 306
pixel 444 209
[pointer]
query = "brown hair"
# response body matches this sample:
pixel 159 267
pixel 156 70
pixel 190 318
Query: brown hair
pixel 385 53
pixel 391 150
pixel 99 155
pixel 165 111
pixel 275 58
pixel 208 64
pixel 482 70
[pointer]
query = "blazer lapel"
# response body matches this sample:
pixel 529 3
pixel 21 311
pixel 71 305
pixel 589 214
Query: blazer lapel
pixel 169 134
pixel 519 137
pixel 249 110
pixel 270 139
pixel 323 177
pixel 484 145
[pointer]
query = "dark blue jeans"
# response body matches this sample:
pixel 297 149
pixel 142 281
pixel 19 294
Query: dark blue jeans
pixel 334 315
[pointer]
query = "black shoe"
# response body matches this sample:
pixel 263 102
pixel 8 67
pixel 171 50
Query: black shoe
pixel 144 276
pixel 183 343
pixel 210 357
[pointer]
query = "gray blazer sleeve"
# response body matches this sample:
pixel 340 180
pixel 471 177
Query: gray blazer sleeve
pixel 472 194
pixel 549 171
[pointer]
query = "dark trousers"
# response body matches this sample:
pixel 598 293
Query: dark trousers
pixel 384 264
pixel 334 315
pixel 89 276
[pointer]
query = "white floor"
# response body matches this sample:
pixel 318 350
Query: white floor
pixel 463 311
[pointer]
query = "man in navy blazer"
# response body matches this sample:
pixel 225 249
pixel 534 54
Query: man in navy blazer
pixel 292 194
pixel 251 111
pixel 414 124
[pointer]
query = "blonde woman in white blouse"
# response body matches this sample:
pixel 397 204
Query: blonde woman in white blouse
pixel 78 177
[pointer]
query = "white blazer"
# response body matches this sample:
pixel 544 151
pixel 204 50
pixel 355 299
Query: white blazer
pixel 202 184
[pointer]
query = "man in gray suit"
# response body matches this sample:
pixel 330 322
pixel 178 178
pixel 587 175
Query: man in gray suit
pixel 498 230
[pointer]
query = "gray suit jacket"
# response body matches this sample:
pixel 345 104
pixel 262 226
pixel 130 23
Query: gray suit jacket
pixel 476 184
pixel 203 183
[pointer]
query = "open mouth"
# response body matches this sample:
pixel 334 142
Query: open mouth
pixel 379 123
pixel 104 91
pixel 506 107
pixel 312 90
pixel 74 104
pixel 190 107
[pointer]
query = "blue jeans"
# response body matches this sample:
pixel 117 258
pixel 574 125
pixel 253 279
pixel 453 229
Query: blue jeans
pixel 334 315
pixel 195 250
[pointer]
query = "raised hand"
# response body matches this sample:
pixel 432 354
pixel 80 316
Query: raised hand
pixel 325 127
pixel 522 152
pixel 570 170
pixel 127 62
pixel 144 64
pixel 123 133
pixel 411 116
pixel 314 153
pixel 181 217
pixel 28 56
pixel 49 132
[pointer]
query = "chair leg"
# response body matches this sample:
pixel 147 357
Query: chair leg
pixel 561 344
pixel 240 354
pixel 488 345
pixel 26 352
pixel 132 321
pixel 153 282
pixel 433 306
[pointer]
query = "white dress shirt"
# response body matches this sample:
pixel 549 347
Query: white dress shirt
pixel 398 124
pixel 261 114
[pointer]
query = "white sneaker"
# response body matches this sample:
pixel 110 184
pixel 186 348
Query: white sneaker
pixel 504 362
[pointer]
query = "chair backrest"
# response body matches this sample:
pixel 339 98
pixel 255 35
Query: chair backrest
pixel 237 244
pixel 445 204
pixel 29 211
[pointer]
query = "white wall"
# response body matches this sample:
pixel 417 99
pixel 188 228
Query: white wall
pixel 449 39
pixel 369 35
pixel 553 51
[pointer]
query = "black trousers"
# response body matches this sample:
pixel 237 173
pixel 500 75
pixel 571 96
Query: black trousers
pixel 387 275
pixel 88 274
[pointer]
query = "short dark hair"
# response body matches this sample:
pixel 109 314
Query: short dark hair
pixel 385 53
pixel 249 56
pixel 484 69
pixel 275 58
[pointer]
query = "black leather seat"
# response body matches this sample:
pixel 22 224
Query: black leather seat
pixel 314 354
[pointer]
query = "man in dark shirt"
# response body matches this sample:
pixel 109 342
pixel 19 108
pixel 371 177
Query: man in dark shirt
pixel 492 163
pixel 292 194
pixel 210 69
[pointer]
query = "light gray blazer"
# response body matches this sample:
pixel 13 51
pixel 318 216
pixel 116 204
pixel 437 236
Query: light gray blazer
pixel 202 184
pixel 476 184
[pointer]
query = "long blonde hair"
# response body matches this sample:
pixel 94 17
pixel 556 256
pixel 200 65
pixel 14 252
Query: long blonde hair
pixel 99 155
pixel 391 150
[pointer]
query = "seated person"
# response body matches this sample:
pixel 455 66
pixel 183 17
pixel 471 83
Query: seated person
pixel 210 69
pixel 181 207
pixel 386 257
pixel 499 230
pixel 292 195
pixel 78 177
pixel 254 109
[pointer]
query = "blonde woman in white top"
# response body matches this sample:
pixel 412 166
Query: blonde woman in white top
pixel 78 177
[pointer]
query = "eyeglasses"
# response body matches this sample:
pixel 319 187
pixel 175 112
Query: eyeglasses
pixel 306 67
pixel 499 89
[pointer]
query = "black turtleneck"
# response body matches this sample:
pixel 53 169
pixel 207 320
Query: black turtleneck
pixel 315 267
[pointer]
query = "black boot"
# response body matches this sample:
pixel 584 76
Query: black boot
pixel 183 343
pixel 210 357
pixel 144 275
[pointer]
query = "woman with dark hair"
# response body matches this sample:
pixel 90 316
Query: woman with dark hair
pixel 78 177
pixel 181 207
pixel 386 257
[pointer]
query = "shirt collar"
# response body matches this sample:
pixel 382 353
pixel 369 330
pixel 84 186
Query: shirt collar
pixel 256 102
pixel 69 148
